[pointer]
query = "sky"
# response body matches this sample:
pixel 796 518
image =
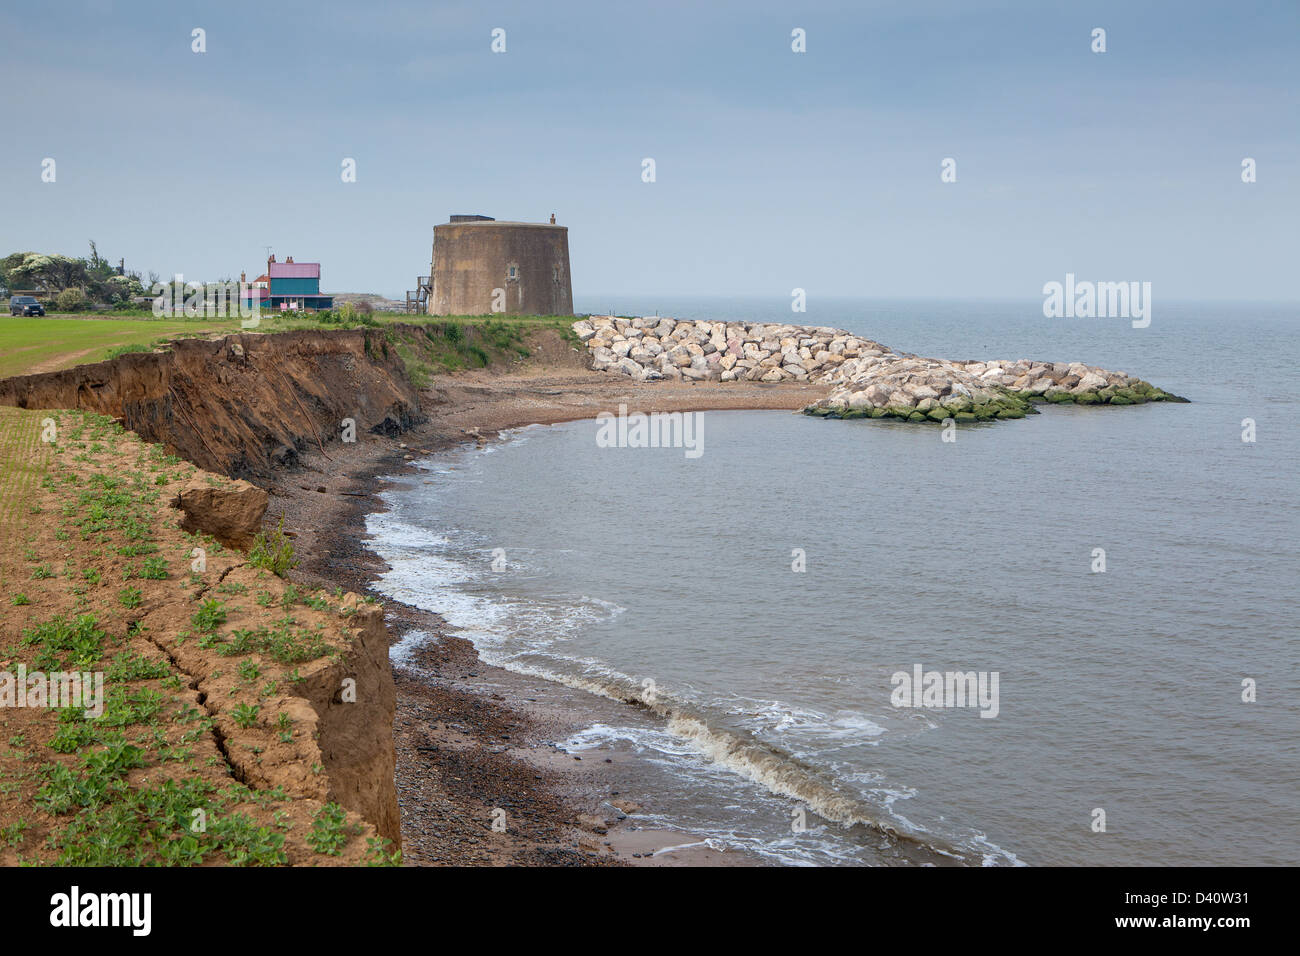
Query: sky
pixel 774 169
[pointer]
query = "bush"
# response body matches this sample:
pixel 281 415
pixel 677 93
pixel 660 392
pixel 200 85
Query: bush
pixel 70 300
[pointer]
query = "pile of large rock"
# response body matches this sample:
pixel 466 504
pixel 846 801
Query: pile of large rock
pixel 922 389
pixel 916 389
pixel 868 380
pixel 652 348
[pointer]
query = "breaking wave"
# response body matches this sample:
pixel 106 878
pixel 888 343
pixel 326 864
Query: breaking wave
pixel 526 635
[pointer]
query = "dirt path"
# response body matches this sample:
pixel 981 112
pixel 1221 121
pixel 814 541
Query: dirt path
pixel 65 359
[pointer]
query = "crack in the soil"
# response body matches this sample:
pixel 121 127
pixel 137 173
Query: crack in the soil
pixel 218 737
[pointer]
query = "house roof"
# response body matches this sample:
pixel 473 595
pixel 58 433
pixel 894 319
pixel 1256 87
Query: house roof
pixel 294 270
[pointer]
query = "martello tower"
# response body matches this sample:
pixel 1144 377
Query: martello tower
pixel 481 265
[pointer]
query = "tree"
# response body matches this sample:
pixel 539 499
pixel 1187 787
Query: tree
pixel 8 264
pixel 120 289
pixel 49 274
pixel 94 278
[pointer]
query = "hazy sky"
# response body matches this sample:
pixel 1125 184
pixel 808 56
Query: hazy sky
pixel 774 169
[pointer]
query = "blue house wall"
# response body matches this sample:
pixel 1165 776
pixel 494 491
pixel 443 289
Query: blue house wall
pixel 295 287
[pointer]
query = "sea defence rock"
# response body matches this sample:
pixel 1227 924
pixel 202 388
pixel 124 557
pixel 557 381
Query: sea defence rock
pixel 652 348
pixel 868 380
pixel 919 389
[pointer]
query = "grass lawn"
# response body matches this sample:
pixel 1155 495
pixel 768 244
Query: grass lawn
pixel 52 342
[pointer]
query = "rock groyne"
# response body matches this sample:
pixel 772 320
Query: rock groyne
pixel 868 379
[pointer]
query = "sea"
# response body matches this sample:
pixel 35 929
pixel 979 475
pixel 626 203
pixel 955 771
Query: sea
pixel 1124 579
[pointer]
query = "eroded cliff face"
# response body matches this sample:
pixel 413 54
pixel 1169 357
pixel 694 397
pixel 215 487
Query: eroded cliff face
pixel 241 405
pixel 354 722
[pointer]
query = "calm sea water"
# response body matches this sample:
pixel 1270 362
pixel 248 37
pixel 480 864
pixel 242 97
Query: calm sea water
pixel 1118 690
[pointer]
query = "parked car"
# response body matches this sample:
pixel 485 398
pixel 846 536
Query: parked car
pixel 25 305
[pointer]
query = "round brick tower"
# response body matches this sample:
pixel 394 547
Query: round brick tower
pixel 482 266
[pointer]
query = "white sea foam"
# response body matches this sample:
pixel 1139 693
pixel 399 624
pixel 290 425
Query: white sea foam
pixel 402 652
pixel 991 853
pixel 802 723
pixel 448 572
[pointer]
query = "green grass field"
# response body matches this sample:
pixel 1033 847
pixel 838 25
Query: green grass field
pixel 54 342
pixel 58 341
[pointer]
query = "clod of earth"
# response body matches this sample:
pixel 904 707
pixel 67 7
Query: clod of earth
pixel 231 512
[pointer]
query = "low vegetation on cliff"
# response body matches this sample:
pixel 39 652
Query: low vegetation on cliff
pixel 216 739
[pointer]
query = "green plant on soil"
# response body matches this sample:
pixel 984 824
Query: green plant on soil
pixel 14 834
pixel 130 666
pixel 245 715
pixel 151 569
pixel 273 551
pixel 210 615
pixel 283 642
pixel 378 853
pixel 66 644
pixel 330 830
pixel 124 707
pixel 115 825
